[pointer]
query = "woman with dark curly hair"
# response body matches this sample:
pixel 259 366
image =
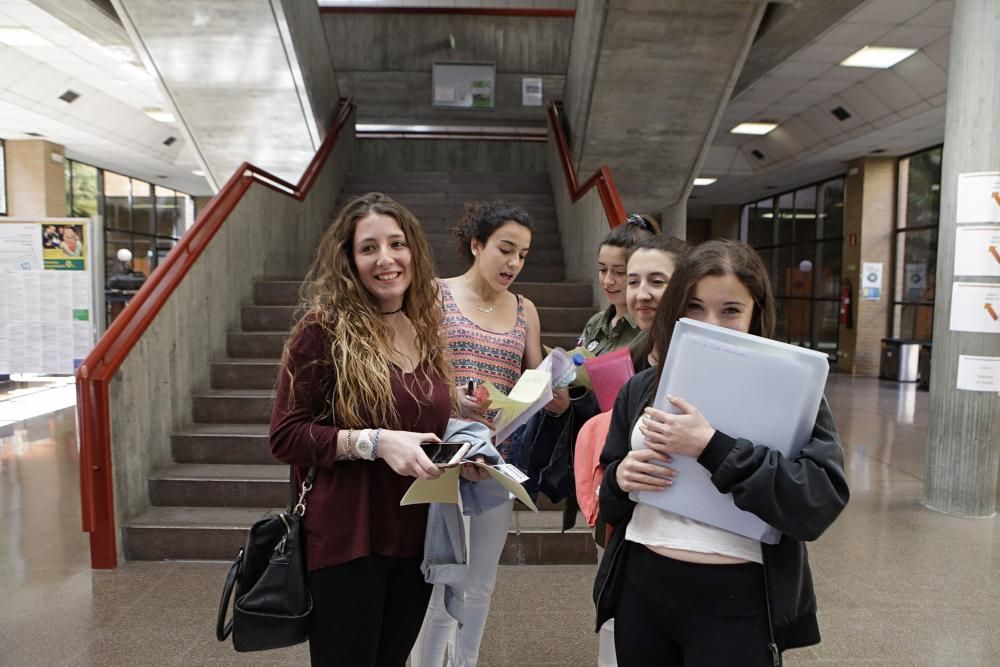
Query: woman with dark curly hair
pixel 364 381
pixel 491 335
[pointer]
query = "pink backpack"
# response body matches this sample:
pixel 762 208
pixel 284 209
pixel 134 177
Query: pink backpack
pixel 587 463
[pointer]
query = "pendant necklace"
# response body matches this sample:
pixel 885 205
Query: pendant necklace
pixel 484 310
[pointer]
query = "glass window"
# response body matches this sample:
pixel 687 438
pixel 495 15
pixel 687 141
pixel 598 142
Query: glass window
pixel 913 321
pixel 142 208
pixel 830 210
pixel 805 214
pixel 922 197
pixel 3 178
pixel 167 212
pixel 117 192
pixel 799 236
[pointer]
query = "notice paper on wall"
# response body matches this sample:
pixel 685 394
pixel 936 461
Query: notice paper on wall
pixel 978 373
pixel 978 197
pixel 975 307
pixel 871 281
pixel 977 250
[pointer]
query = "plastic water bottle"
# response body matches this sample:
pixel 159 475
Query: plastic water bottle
pixel 568 375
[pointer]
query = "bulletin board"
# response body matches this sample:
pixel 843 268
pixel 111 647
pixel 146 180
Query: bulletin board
pixel 49 292
pixel 464 85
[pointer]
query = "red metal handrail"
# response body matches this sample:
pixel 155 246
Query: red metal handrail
pixel 601 179
pixel 94 375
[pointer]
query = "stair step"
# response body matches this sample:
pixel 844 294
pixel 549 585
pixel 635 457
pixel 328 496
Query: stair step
pixel 532 272
pixel 577 295
pixel 250 373
pixel 257 344
pixel 444 241
pixel 222 443
pixel 217 533
pixel 537 257
pixel 233 406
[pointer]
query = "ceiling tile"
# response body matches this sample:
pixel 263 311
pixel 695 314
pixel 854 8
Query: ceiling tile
pixel 852 34
pixel 803 133
pixel 922 75
pixel 779 84
pixel 862 101
pixel 891 12
pixel 823 53
pixel 853 74
pixel 887 120
pixel 939 52
pixel 912 37
pixel 718 159
pixel 938 15
pixel 825 86
pixel 892 90
pixel 821 122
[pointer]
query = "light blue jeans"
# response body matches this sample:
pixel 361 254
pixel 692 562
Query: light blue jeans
pixel 440 635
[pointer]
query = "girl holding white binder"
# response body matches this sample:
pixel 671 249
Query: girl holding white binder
pixel 686 592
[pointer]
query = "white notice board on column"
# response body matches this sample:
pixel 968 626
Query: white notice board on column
pixel 48 298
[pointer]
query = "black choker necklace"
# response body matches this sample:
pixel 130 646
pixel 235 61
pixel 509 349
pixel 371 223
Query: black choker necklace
pixel 393 312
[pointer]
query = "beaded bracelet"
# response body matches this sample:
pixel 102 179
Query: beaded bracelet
pixel 347 445
pixel 378 432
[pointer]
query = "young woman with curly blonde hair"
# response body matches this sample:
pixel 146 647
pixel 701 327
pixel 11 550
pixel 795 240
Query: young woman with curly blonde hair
pixel 364 381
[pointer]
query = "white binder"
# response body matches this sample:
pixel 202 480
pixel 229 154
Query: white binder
pixel 747 387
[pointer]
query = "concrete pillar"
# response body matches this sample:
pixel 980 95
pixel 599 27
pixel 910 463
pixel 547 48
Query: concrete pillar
pixel 869 215
pixel 673 220
pixel 36 179
pixel 963 440
pixel 725 222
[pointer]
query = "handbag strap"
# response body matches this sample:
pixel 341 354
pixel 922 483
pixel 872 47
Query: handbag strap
pixel 223 628
pixel 307 485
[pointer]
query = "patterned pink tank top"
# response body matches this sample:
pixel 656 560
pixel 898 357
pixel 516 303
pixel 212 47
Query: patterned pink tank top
pixel 480 354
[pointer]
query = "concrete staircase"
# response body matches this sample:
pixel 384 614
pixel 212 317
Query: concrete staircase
pixel 223 476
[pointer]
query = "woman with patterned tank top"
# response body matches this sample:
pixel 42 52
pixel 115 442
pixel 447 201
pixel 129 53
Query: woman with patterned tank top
pixel 491 335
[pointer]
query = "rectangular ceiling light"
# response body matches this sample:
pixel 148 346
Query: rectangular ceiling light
pixel 753 128
pixel 878 57
pixel 22 37
pixel 704 181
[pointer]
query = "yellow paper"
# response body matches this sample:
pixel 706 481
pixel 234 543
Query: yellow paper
pixel 528 396
pixel 444 489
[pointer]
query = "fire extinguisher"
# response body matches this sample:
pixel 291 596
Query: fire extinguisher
pixel 846 312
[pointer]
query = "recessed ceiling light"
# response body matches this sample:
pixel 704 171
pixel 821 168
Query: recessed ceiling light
pixel 159 115
pixel 69 96
pixel 704 181
pixel 198 172
pixel 22 37
pixel 878 57
pixel 753 128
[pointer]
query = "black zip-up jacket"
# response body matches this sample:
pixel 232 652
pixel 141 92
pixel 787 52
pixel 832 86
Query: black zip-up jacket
pixel 800 497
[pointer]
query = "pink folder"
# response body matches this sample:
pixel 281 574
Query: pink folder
pixel 608 373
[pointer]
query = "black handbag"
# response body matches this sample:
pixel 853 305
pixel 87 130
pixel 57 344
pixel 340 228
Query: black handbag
pixel 272 602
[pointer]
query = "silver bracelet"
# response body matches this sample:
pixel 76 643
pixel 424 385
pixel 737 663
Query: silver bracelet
pixel 347 446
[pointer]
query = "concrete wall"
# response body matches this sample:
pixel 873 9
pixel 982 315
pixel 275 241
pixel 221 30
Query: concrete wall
pixel 312 53
pixel 585 48
pixel 267 234
pixel 403 155
pixel 385 60
pixel 36 184
pixel 582 226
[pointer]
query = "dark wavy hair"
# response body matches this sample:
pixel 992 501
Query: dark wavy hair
pixel 636 228
pixel 481 219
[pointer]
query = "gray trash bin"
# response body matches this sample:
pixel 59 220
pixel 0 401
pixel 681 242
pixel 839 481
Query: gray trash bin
pixel 900 359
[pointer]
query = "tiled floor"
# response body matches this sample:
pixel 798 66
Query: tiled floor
pixel 897 584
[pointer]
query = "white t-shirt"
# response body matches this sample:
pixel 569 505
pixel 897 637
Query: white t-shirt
pixel 657 527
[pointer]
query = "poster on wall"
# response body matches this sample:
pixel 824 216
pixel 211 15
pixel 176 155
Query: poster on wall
pixel 978 197
pixel 871 281
pixel 975 307
pixel 977 251
pixel 463 85
pixel 47 315
pixel 978 373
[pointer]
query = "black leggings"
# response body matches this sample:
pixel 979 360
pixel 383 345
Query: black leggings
pixel 366 612
pixel 671 612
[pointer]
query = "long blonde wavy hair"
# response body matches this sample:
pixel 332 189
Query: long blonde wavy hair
pixel 360 342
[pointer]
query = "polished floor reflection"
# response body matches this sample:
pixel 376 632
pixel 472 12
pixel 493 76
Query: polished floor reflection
pixel 897 584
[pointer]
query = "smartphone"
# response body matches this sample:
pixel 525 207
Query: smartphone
pixel 445 453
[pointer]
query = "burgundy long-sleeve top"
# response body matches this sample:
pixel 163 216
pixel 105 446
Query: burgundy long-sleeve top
pixel 353 509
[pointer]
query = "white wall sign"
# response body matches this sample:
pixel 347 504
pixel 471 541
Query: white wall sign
pixel 531 92
pixel 977 251
pixel 978 373
pixel 871 281
pixel 978 197
pixel 975 307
